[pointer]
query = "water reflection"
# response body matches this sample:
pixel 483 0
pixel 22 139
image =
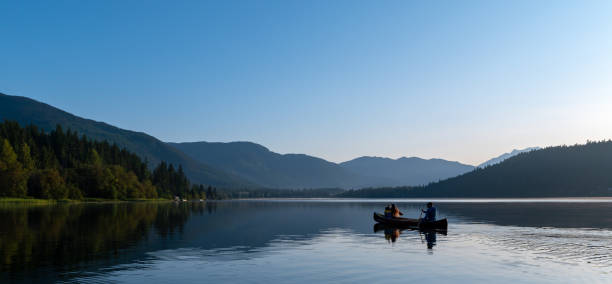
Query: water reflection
pixel 392 234
pixel 66 237
pixel 430 237
pixel 72 241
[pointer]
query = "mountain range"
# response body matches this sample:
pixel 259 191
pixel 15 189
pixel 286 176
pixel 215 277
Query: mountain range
pixel 406 171
pixel 259 165
pixel 239 164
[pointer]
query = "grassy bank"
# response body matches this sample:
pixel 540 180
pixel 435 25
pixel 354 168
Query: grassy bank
pixel 27 200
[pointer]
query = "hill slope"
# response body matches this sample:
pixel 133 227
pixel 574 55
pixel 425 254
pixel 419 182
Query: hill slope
pixel 406 171
pixel 562 171
pixel 259 165
pixel 505 156
pixel 27 111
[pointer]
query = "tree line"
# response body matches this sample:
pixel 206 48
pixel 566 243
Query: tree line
pixel 282 193
pixel 61 164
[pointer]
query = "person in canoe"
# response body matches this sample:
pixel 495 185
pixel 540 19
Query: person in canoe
pixel 430 213
pixel 388 212
pixel 395 212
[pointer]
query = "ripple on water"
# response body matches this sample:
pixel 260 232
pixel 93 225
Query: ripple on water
pixel 249 243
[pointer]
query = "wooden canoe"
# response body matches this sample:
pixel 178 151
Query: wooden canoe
pixel 441 224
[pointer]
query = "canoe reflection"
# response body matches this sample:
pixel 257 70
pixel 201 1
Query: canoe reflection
pixel 392 234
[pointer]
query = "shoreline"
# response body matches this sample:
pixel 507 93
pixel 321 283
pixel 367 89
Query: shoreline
pixel 38 201
pixel 444 200
pixel 598 199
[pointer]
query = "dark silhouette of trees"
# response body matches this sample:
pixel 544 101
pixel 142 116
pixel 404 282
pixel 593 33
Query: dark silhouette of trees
pixel 61 165
pixel 561 171
pixel 13 177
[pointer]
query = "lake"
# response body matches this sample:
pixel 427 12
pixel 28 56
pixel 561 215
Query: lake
pixel 306 241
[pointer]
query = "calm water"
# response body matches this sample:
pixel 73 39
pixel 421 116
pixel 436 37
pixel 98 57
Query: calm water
pixel 304 242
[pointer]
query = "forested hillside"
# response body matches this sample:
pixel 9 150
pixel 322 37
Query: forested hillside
pixel 27 111
pixel 562 171
pixel 61 164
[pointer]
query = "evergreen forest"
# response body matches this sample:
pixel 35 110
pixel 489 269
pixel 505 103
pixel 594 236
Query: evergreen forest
pixel 63 165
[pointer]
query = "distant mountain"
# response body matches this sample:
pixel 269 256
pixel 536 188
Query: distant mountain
pixel 405 171
pixel 504 156
pixel 27 111
pixel 563 171
pixel 259 165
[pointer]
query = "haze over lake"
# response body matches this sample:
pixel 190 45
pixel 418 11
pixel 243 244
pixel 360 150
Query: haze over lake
pixel 306 241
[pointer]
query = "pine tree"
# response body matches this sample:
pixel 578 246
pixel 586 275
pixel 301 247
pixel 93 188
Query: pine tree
pixel 25 157
pixel 95 159
pixel 47 183
pixel 13 180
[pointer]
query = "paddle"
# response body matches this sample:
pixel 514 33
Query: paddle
pixel 419 224
pixel 421 214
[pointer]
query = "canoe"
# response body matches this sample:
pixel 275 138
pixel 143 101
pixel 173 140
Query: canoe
pixel 400 222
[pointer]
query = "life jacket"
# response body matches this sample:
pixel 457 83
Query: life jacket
pixel 388 213
pixel 430 214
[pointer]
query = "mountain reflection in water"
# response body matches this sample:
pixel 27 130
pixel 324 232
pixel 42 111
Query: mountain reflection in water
pixel 301 241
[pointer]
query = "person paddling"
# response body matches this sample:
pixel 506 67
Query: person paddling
pixel 430 213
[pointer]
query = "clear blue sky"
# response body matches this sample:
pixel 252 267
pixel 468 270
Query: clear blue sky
pixel 460 80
